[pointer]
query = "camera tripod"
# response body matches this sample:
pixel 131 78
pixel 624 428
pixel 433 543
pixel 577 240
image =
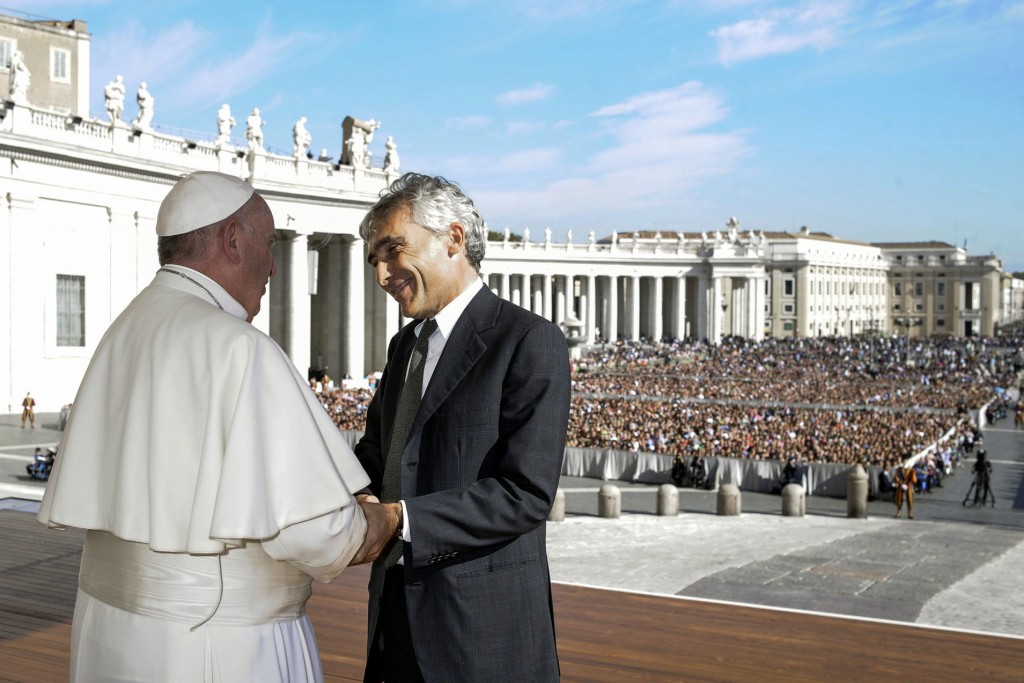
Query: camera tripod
pixel 980 488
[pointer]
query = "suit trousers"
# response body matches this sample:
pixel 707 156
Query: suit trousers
pixel 392 657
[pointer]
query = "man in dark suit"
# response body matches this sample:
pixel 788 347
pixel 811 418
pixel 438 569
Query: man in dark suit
pixel 463 592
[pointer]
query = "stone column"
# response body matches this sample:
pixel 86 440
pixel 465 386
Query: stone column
pixel 353 324
pixel 506 292
pixel 392 319
pixel 331 309
pixel 7 392
pixel 589 304
pixel 803 302
pixel 559 304
pixel 679 320
pixel 612 333
pixel 716 310
pixel 702 331
pixel 759 300
pixel 657 306
pixel 546 289
pixel 570 296
pixel 634 308
pixel 299 308
pixel 752 284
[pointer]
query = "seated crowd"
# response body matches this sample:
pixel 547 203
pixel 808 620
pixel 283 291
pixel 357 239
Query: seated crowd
pixel 831 400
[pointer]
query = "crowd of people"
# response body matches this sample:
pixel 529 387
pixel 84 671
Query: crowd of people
pixel 878 371
pixel 679 427
pixel 831 400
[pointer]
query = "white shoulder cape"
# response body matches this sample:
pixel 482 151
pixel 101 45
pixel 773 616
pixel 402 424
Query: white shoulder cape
pixel 193 430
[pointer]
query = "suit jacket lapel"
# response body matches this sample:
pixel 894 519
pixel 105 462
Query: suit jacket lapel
pixel 461 352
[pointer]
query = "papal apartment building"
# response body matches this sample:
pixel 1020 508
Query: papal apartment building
pixel 79 196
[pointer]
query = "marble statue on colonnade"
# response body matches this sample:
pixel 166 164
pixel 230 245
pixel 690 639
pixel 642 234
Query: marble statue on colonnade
pixel 113 99
pixel 225 122
pixel 733 226
pixel 357 135
pixel 301 139
pixel 391 162
pixel 143 120
pixel 20 78
pixel 254 130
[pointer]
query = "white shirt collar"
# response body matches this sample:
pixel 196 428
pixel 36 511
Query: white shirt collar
pixel 450 314
pixel 175 280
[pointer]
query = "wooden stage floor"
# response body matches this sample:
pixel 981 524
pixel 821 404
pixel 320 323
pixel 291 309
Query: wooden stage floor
pixel 603 636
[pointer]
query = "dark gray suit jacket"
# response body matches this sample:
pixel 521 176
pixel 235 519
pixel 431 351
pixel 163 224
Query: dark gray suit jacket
pixel 479 474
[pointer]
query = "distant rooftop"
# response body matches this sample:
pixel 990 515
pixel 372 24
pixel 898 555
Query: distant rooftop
pixel 913 245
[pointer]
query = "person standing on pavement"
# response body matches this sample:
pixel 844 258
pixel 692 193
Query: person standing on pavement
pixel 28 410
pixel 904 481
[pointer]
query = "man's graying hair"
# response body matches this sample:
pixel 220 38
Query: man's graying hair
pixel 193 246
pixel 433 203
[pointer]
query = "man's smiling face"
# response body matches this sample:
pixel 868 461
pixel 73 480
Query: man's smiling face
pixel 415 266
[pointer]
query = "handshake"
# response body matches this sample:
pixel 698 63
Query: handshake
pixel 383 525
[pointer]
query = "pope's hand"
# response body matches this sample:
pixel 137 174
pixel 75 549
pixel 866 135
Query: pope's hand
pixel 383 520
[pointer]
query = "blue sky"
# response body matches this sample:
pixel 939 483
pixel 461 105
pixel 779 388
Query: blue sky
pixel 880 120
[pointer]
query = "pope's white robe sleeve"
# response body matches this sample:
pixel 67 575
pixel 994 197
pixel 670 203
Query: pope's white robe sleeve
pixel 323 546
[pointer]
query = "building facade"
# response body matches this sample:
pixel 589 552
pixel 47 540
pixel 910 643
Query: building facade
pixel 55 55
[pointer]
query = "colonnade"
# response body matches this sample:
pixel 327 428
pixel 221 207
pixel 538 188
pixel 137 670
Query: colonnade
pixel 632 306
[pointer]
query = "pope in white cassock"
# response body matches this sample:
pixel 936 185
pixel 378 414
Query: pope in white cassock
pixel 212 483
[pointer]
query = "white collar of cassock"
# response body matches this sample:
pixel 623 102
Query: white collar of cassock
pixel 194 282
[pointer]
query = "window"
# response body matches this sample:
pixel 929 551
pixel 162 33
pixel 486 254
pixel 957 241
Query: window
pixel 60 65
pixel 940 308
pixel 897 307
pixel 918 289
pixel 918 308
pixel 6 49
pixel 940 322
pixel 787 308
pixel 940 289
pixel 787 287
pixel 70 310
pixel 897 289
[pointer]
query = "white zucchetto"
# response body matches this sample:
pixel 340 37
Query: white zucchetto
pixel 200 199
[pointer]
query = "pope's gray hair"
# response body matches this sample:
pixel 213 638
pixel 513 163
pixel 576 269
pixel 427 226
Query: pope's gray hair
pixel 433 203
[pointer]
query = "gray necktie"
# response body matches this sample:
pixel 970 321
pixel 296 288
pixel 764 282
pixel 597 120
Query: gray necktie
pixel 408 404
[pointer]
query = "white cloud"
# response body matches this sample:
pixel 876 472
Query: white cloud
pixel 1015 11
pixel 524 127
pixel 536 92
pixel 180 68
pixel 659 151
pixel 527 161
pixel 780 32
pixel 467 122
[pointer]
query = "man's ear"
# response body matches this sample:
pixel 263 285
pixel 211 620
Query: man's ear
pixel 456 238
pixel 230 238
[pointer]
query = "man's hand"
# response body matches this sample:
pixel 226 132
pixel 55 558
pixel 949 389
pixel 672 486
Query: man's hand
pixel 383 521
